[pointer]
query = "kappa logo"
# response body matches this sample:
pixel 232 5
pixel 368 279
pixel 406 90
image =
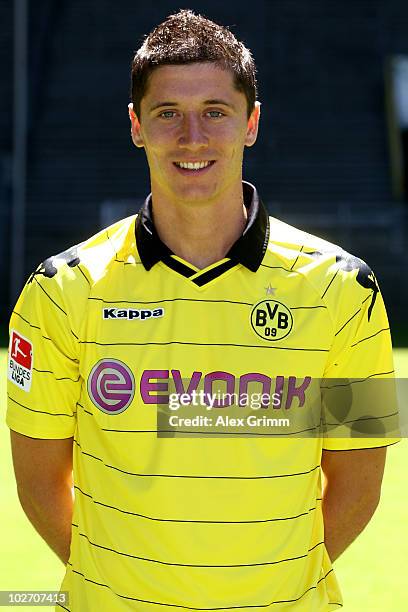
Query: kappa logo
pixel 132 313
pixel 271 320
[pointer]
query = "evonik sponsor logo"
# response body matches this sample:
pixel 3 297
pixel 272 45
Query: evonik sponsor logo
pixel 131 314
pixel 111 386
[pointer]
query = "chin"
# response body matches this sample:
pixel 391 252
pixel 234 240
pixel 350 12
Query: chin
pixel 195 196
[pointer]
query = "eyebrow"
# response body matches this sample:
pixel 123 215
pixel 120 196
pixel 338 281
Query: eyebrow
pixel 213 101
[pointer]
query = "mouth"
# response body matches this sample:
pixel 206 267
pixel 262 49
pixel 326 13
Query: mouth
pixel 194 168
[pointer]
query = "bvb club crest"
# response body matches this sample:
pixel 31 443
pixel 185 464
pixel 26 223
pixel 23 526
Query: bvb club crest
pixel 271 320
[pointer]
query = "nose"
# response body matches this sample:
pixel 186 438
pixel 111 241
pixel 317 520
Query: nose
pixel 193 134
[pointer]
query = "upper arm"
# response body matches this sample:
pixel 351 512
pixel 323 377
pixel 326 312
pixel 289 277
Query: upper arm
pixel 39 464
pixel 359 398
pixel 357 472
pixel 44 386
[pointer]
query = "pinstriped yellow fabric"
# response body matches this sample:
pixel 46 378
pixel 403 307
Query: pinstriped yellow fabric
pixel 198 522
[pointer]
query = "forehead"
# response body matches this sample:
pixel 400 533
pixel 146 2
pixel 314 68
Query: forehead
pixel 199 81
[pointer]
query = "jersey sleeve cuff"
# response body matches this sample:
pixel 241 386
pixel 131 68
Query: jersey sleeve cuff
pixel 27 429
pixel 358 443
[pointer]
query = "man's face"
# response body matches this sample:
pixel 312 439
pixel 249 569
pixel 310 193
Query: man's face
pixel 193 113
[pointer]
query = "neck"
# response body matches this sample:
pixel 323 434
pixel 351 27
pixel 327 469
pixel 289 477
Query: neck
pixel 201 235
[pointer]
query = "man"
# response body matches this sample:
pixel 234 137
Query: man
pixel 200 291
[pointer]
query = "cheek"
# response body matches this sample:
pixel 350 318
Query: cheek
pixel 236 150
pixel 153 160
pixel 155 150
pixel 229 138
pixel 156 138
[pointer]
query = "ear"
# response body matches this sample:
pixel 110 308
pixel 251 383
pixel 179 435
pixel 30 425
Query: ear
pixel 135 127
pixel 253 124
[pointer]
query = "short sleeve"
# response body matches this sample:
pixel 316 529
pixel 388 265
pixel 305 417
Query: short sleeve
pixel 358 389
pixel 43 383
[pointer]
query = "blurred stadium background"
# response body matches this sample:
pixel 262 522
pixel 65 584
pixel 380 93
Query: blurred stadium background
pixel 331 158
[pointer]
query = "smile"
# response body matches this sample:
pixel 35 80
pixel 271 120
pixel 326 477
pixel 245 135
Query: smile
pixel 195 166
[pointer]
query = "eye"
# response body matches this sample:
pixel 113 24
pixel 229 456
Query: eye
pixel 215 114
pixel 167 114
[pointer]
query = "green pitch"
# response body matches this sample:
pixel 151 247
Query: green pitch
pixel 372 572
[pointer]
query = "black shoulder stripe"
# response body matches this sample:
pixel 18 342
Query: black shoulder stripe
pixel 327 288
pixel 50 298
pixel 348 321
pixel 84 275
pixel 298 255
pixel 114 248
pixel 57 305
pixel 372 336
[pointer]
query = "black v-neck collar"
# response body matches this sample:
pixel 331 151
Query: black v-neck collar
pixel 248 250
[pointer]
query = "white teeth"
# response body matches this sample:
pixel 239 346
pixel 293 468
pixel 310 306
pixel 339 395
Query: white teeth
pixel 193 166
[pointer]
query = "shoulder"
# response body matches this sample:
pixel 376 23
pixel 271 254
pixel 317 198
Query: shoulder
pixel 326 266
pixel 91 259
pixel 61 284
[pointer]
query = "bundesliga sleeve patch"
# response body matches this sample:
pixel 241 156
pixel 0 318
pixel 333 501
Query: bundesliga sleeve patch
pixel 20 361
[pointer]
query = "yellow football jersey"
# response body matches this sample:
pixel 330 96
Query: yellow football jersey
pixel 196 516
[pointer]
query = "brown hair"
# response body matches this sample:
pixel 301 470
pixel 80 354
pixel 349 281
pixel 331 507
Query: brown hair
pixel 184 38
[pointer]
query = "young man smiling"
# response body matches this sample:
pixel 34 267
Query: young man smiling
pixel 193 123
pixel 202 287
